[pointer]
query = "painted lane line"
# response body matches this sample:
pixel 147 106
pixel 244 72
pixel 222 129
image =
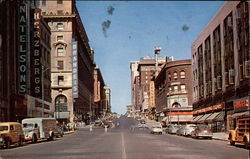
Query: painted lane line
pixel 123 148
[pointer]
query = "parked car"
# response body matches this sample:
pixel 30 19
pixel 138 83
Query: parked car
pixel 11 133
pixel 39 128
pixel 202 131
pixel 156 130
pixel 188 129
pixel 98 123
pixel 181 130
pixel 172 129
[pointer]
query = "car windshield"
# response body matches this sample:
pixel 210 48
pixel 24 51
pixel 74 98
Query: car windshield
pixel 3 128
pixel 28 125
pixel 202 127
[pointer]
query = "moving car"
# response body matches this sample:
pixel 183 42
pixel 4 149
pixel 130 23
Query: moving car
pixel 11 133
pixel 202 131
pixel 143 122
pixel 156 130
pixel 172 129
pixel 39 128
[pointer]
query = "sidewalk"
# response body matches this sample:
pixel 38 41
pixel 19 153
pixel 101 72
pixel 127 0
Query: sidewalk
pixel 220 136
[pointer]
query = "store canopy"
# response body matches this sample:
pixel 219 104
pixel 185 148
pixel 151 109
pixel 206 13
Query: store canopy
pixel 211 117
pixel 204 117
pixel 197 118
pixel 220 117
pixel 165 119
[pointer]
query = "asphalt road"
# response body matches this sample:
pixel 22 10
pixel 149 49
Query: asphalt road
pixel 123 143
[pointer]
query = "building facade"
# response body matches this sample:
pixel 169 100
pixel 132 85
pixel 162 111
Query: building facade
pixel 173 92
pixel 220 58
pixel 24 85
pixel 142 75
pixel 72 62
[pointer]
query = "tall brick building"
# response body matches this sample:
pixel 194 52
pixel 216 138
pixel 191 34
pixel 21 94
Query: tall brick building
pixel 173 92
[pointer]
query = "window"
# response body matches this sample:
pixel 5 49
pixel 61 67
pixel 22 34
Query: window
pixel 59 1
pixel 60 80
pixel 11 127
pixel 60 65
pixel 60 26
pixel 43 2
pixel 175 75
pixel 183 87
pixel 183 74
pixel 60 38
pixel 169 89
pixel 60 52
pixel 169 76
pixel 59 12
pixel 175 88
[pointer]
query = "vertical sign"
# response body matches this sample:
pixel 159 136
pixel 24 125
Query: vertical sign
pixel 74 70
pixel 22 49
pixel 36 56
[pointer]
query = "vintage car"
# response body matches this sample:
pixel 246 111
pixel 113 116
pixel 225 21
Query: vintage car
pixel 156 130
pixel 202 131
pixel 11 133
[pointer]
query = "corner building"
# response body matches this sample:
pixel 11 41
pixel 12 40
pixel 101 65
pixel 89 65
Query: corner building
pixel 221 61
pixel 71 61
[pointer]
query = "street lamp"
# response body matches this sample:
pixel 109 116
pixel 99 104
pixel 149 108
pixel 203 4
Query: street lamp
pixel 43 70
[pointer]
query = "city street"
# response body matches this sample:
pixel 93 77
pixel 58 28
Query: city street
pixel 123 143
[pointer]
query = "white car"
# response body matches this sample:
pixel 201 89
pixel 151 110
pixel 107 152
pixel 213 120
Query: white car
pixel 156 130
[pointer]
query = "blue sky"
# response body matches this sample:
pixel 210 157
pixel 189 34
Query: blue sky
pixel 133 29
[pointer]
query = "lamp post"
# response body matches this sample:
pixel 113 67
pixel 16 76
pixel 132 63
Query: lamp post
pixel 43 70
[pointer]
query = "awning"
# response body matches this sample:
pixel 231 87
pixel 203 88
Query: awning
pixel 164 119
pixel 213 116
pixel 204 117
pixel 198 117
pixel 242 114
pixel 220 117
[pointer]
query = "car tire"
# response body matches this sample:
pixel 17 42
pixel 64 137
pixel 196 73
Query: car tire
pixel 20 143
pixel 246 144
pixel 34 138
pixel 231 141
pixel 52 137
pixel 7 144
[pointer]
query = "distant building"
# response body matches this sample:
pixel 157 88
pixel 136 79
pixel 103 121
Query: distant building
pixel 221 67
pixel 142 88
pixel 107 105
pixel 173 92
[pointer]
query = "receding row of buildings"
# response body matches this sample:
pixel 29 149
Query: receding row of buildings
pixel 47 67
pixel 210 88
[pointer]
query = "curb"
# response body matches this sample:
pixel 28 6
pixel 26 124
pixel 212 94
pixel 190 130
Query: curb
pixel 219 139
